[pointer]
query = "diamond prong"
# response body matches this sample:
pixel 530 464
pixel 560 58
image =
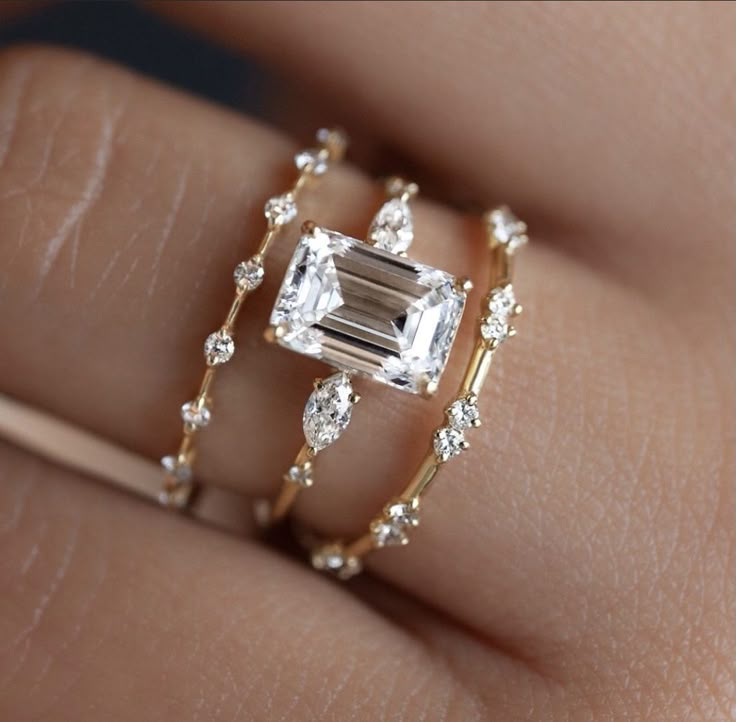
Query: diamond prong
pixel 428 388
pixel 518 309
pixel 317 384
pixel 273 333
pixel 465 445
pixel 309 227
pixel 464 284
pixel 512 332
pixel 355 397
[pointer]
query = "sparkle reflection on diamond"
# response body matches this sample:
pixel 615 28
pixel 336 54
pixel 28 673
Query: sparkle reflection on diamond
pixel 361 308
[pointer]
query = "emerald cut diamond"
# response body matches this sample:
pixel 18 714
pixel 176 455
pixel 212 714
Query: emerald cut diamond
pixel 364 309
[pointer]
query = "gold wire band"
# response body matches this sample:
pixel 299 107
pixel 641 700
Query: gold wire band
pixel 179 486
pixel 391 527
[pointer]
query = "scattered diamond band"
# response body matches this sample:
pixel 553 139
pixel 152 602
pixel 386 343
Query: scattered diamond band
pixel 179 486
pixel 393 525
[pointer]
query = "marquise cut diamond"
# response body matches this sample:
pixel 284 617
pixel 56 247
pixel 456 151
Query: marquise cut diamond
pixel 328 411
pixel 393 226
pixel 366 310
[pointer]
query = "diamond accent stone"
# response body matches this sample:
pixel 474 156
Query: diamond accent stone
pixel 218 348
pixel 463 413
pixel 448 442
pixel 195 415
pixel 502 301
pixel 176 497
pixel 363 309
pixel 248 275
pixel 177 469
pixel 391 529
pixel 280 210
pixel 494 329
pixel 328 411
pixel 507 228
pixel 314 157
pixel 300 474
pixel 392 228
pixel 332 558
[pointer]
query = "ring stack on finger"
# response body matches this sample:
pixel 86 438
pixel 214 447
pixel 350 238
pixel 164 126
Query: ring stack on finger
pixel 179 485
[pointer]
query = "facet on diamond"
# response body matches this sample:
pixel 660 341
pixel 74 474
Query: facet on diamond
pixel 507 228
pixel 195 414
pixel 392 228
pixel 317 159
pixel 463 413
pixel 248 275
pixel 301 474
pixel 328 410
pixel 177 469
pixel 280 210
pixel 218 348
pixel 448 442
pixel 363 309
pixel 332 558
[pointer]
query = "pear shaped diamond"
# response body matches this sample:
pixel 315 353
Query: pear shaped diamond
pixel 328 410
pixel 392 228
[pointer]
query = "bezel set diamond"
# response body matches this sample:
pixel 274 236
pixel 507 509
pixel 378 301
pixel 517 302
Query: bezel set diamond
pixel 219 348
pixel 248 275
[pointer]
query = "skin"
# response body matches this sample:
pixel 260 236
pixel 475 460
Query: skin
pixel 575 564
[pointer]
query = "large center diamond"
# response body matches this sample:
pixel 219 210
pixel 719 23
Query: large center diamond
pixel 363 309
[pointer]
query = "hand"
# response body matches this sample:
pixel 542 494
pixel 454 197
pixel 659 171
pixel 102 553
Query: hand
pixel 576 564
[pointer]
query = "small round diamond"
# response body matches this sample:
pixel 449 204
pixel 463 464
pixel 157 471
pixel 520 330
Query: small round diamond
pixel 177 469
pixel 388 533
pixel 176 497
pixel 502 301
pixel 507 228
pixel 279 210
pixel 448 442
pixel 494 329
pixel 218 348
pixel 313 158
pixel 300 474
pixel 195 415
pixel 248 275
pixel 332 558
pixel 463 413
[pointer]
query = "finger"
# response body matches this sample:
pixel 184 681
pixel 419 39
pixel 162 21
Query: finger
pixel 119 262
pixel 571 112
pixel 114 611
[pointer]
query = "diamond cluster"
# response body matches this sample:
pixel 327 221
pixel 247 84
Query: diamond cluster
pixel 495 327
pixel 390 529
pixel 507 229
pixel 462 414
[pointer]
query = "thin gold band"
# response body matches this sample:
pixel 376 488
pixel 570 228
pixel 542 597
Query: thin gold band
pixel 179 486
pixel 391 527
